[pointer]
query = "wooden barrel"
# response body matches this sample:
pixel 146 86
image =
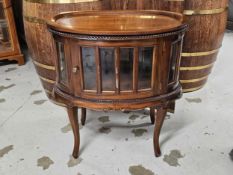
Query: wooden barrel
pixel 207 23
pixel 230 16
pixel 39 40
pixel 169 5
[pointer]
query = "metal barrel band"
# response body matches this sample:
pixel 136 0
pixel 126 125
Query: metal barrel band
pixel 204 12
pixel 32 19
pixel 59 1
pixel 193 80
pixel 199 54
pixel 47 80
pixel 44 66
pixel 196 67
pixel 193 89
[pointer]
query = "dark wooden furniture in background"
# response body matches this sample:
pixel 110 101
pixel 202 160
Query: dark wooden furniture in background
pixel 230 16
pixel 17 6
pixel 121 60
pixel 9 45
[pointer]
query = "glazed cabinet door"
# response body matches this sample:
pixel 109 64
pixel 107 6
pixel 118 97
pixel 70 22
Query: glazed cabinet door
pixel 116 71
pixel 64 66
pixel 120 72
pixel 5 36
pixel 175 58
pixel 8 36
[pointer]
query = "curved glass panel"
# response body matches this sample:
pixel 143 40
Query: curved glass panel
pixel 145 67
pixel 126 68
pixel 107 57
pixel 89 68
pixel 62 63
pixel 173 62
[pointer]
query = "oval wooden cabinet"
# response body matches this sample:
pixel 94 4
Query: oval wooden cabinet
pixel 118 61
pixel 39 40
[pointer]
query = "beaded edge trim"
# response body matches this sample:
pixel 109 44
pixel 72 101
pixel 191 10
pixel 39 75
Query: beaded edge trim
pixel 115 37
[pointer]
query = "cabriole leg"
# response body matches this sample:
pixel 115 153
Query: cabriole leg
pixel 171 107
pixel 152 115
pixel 161 113
pixel 83 115
pixel 73 116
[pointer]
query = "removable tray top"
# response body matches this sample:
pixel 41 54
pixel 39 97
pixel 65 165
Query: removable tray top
pixel 117 22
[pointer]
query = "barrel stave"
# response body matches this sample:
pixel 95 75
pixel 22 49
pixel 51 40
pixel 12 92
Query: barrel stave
pixel 198 60
pixel 123 4
pixel 204 5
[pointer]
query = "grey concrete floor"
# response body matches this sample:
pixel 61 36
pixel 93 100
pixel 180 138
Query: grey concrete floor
pixel 36 138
